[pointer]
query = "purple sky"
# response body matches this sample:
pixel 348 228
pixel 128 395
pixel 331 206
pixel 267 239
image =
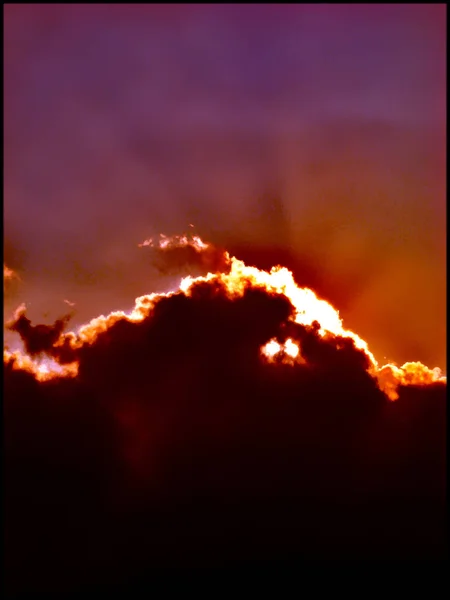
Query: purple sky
pixel 123 121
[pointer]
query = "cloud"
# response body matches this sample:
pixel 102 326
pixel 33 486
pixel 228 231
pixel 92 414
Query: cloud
pixel 8 273
pixel 191 433
pixel 38 338
pixel 180 251
pixel 9 276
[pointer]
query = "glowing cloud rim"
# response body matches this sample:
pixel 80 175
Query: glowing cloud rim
pixel 308 308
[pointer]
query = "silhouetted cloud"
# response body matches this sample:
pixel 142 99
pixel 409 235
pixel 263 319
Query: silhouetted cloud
pixel 38 338
pixel 181 440
pixel 176 253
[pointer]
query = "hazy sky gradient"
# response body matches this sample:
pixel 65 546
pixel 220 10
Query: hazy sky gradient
pixel 314 130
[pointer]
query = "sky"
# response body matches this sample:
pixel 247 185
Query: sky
pixel 311 134
pixel 158 162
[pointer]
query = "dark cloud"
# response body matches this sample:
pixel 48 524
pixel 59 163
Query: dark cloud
pixel 38 338
pixel 186 254
pixel 177 445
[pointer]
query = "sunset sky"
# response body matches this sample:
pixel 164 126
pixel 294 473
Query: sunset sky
pixel 231 416
pixel 315 130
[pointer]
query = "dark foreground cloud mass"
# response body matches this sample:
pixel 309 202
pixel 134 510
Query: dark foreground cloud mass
pixel 178 445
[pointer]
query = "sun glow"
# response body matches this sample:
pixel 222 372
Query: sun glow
pixel 308 308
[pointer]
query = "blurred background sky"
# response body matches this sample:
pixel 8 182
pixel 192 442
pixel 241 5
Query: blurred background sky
pixel 312 134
